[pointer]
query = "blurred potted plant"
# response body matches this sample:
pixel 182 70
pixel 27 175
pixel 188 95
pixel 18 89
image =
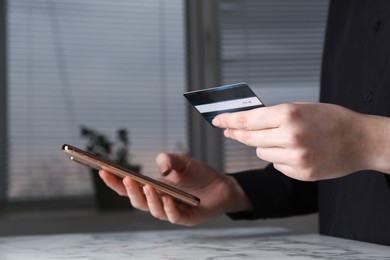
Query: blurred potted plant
pixel 116 152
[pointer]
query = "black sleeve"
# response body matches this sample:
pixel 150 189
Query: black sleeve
pixel 273 194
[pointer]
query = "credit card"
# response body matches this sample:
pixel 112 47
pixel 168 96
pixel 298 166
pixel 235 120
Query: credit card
pixel 211 102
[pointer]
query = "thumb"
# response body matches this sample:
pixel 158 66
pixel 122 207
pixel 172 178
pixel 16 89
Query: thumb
pixel 166 162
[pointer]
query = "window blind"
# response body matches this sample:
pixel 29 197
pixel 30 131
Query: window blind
pixel 103 64
pixel 275 46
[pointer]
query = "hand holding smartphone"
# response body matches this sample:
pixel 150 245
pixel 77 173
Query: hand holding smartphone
pixel 209 103
pixel 91 160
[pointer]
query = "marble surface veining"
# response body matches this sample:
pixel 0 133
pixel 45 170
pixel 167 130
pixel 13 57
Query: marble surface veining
pixel 235 243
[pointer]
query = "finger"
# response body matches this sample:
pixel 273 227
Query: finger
pixel 262 138
pixel 171 210
pixel 154 203
pixel 255 119
pixel 166 162
pixel 135 194
pixel 113 182
pixel 274 155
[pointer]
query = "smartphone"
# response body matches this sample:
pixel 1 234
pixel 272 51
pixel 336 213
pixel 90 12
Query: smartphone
pixel 91 160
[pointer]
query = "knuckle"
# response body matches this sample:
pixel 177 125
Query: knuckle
pixel 246 137
pixel 242 121
pixel 224 121
pixel 302 157
pixel 305 165
pixel 295 138
pixel 291 112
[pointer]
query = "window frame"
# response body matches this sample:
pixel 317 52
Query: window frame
pixel 206 143
pixel 3 103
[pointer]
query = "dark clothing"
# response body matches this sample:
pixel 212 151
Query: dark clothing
pixel 356 75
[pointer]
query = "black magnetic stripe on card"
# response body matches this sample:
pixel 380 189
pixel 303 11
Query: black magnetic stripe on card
pixel 218 94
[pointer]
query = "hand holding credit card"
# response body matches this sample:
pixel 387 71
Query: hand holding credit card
pixel 224 99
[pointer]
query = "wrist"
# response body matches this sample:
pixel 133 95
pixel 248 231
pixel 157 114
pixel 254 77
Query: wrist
pixel 377 143
pixel 238 201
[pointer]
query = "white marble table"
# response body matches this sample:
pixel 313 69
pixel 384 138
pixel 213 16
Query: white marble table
pixel 236 243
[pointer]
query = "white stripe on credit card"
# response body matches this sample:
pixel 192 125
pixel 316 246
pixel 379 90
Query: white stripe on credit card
pixel 230 104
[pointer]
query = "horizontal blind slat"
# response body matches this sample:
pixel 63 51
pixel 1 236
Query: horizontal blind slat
pixel 103 64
